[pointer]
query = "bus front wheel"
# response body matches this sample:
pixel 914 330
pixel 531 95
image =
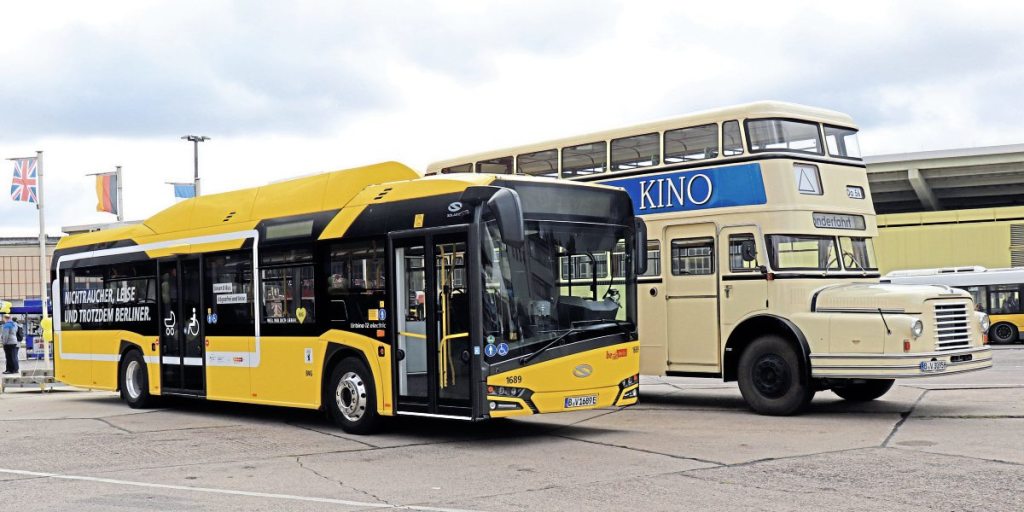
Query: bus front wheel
pixel 770 377
pixel 350 398
pixel 863 391
pixel 1003 332
pixel 134 381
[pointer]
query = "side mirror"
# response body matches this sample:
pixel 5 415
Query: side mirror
pixel 508 211
pixel 640 245
pixel 748 250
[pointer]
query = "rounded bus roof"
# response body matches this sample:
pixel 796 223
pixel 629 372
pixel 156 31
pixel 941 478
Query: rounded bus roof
pixel 755 110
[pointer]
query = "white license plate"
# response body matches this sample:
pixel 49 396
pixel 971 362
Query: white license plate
pixel 933 366
pixel 580 401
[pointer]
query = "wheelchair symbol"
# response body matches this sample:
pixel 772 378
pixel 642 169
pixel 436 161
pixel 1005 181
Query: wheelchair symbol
pixel 193 325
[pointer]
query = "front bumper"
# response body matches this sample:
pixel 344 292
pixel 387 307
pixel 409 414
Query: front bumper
pixel 899 366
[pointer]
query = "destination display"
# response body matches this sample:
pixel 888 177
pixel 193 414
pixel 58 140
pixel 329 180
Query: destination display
pixel 720 187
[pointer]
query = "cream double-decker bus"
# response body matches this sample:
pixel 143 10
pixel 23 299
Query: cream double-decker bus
pixel 761 265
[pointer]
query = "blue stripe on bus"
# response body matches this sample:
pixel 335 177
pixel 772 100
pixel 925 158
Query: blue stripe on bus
pixel 703 189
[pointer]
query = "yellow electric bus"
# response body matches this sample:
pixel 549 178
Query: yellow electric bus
pixel 367 292
pixel 761 254
pixel 996 291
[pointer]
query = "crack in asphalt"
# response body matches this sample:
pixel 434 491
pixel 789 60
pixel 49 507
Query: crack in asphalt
pixel 343 485
pixel 111 425
pixel 969 457
pixel 331 434
pixel 903 419
pixel 640 450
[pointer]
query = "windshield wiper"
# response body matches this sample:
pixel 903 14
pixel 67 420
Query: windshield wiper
pixel 527 358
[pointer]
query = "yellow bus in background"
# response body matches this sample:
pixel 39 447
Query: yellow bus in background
pixel 996 291
pixel 761 254
pixel 367 292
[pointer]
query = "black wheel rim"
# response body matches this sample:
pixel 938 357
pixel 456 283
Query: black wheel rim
pixel 771 376
pixel 1003 332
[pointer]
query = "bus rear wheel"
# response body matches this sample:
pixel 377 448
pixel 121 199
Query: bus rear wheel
pixel 134 381
pixel 863 391
pixel 770 377
pixel 1004 332
pixel 350 398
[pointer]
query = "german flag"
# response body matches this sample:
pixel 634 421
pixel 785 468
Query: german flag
pixel 106 192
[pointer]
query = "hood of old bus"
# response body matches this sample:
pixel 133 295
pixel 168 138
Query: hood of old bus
pixel 888 297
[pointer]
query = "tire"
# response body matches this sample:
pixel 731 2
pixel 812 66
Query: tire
pixel 864 391
pixel 770 374
pixel 133 381
pixel 350 397
pixel 1003 332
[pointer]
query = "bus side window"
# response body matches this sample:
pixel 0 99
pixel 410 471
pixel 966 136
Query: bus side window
pixel 743 255
pixel 501 165
pixel 693 143
pixel 584 159
pixel 653 259
pixel 229 293
pixel 634 152
pixel 693 256
pixel 1004 299
pixel 355 284
pixel 732 145
pixel 980 296
pixel 288 293
pixel 457 169
pixel 541 163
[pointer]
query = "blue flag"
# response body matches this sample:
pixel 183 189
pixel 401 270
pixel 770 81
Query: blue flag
pixel 184 190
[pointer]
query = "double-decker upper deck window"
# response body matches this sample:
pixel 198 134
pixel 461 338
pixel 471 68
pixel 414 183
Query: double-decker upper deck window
pixel 584 159
pixel 732 144
pixel 540 163
pixel 456 169
pixel 783 135
pixel 842 142
pixel 693 143
pixel 634 152
pixel 693 256
pixel 501 165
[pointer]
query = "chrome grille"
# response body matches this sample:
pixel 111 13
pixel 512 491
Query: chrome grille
pixel 952 327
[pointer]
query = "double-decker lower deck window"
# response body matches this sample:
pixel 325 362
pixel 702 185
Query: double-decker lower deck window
pixel 693 256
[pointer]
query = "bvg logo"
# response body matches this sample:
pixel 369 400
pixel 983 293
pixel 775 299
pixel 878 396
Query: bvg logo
pixel 615 354
pixel 583 371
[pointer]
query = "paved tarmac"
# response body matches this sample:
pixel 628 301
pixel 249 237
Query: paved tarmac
pixel 945 443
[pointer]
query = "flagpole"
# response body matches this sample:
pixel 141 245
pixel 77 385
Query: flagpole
pixel 120 197
pixel 44 272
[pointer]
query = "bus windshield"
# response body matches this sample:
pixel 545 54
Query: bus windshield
pixel 568 277
pixel 858 253
pixel 783 135
pixel 803 252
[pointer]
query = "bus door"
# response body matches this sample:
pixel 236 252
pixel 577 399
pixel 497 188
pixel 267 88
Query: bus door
pixel 182 351
pixel 691 285
pixel 432 336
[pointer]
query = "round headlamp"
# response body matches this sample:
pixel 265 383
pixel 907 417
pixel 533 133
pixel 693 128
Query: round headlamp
pixel 916 328
pixel 985 322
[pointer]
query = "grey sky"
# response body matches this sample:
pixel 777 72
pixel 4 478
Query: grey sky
pixel 290 88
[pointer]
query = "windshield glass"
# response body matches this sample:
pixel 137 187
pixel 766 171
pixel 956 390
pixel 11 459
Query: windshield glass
pixel 842 142
pixel 783 135
pixel 858 253
pixel 802 252
pixel 568 276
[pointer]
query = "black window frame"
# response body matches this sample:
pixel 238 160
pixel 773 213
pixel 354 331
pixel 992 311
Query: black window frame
pixel 674 255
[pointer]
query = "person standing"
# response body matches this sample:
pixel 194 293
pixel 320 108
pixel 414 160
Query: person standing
pixel 9 337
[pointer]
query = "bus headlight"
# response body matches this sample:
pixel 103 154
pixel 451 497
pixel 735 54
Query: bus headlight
pixel 984 321
pixel 917 327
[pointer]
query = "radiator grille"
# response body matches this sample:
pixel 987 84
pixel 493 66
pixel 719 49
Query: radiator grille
pixel 1017 245
pixel 952 328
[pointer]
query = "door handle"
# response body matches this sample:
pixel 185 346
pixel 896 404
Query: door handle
pixel 728 288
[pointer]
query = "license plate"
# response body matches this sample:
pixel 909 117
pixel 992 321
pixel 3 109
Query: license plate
pixel 580 401
pixel 933 366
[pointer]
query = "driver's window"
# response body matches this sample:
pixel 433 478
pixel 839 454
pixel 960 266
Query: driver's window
pixel 743 256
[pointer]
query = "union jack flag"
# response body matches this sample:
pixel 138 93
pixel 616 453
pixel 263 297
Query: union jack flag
pixel 23 187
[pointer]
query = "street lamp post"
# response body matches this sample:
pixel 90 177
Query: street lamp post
pixel 195 140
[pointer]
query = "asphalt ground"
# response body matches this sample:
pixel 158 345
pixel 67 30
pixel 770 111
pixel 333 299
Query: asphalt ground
pixel 944 443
